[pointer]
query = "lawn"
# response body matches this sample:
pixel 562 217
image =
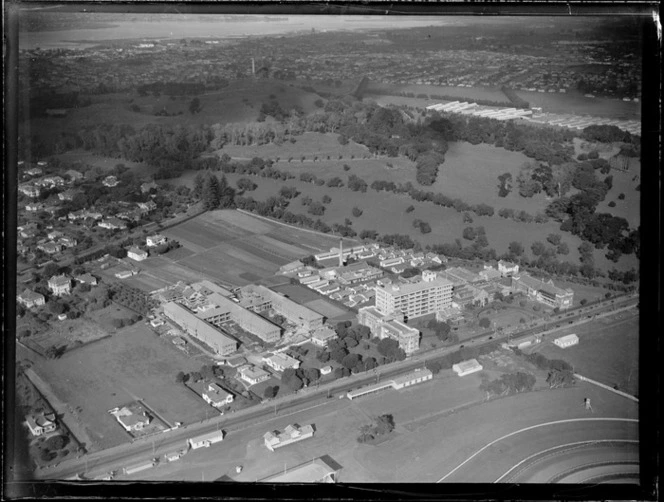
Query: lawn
pixel 458 92
pixel 470 172
pixel 608 350
pixel 132 364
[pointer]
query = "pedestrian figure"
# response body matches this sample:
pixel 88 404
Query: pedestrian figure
pixel 586 401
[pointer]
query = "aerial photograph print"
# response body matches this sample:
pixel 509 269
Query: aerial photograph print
pixel 270 249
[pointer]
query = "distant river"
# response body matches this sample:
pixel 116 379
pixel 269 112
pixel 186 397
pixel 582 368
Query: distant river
pixel 196 26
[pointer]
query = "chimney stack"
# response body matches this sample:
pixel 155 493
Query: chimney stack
pixel 341 252
pixel 253 67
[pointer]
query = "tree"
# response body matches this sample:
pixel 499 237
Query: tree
pixel 562 248
pixel 290 379
pixel 211 193
pixel 180 377
pixel 554 239
pixel 467 218
pixel 515 248
pixel 51 269
pixel 357 212
pixel 469 233
pixel 339 354
pixel 485 322
pixel 194 106
pixel 270 392
pixel 410 209
pixel 538 248
pixel 246 185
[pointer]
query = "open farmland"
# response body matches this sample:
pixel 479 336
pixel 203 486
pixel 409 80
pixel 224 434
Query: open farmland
pixel 237 248
pixel 133 363
pixel 608 350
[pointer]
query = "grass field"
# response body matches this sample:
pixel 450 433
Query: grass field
pixel 608 350
pixel 134 363
pixel 235 248
pixel 458 92
pixel 597 107
pixel 439 424
pixel 309 144
pixel 446 223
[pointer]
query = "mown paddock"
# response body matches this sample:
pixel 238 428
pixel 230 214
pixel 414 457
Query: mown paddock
pixel 608 351
pixel 132 363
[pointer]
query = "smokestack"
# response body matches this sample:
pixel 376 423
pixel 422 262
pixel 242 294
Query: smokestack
pixel 341 252
pixel 253 67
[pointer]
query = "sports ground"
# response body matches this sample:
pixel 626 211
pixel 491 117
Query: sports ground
pixel 440 424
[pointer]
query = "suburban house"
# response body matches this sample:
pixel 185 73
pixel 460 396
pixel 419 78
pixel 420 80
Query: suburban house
pixel 132 417
pixel 112 224
pixel 543 291
pixel 34 206
pixel 291 434
pixel 147 187
pixel 216 396
pixel 41 424
pixel 155 240
pixel 253 375
pixel 74 175
pixel 322 336
pixel 69 242
pixel 29 190
pixel 110 181
pixel 51 181
pixel 60 285
pixel 68 194
pixel 34 171
pixel 507 269
pixel 206 440
pixel 137 254
pixel 31 299
pixel 50 247
pixel 279 362
pixel 54 234
pixel 147 206
pixel 87 279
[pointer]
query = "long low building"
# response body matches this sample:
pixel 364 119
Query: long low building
pixel 200 328
pixel 399 382
pixel 259 298
pixel 291 434
pixel 224 310
pixel 467 367
pixel 566 341
pixel 320 470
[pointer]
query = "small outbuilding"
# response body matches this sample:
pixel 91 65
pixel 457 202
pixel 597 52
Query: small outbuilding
pixel 566 341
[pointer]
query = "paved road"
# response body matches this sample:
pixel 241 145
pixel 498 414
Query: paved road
pixel 148 448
